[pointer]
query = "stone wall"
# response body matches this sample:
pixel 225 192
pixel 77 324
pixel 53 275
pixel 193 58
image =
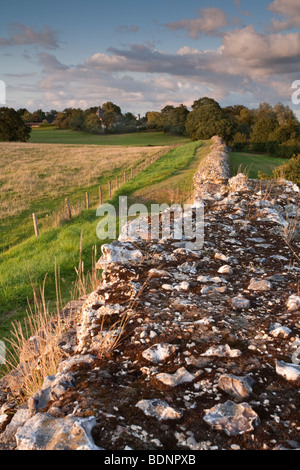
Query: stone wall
pixel 209 339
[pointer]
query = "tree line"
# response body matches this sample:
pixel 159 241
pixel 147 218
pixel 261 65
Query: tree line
pixel 267 129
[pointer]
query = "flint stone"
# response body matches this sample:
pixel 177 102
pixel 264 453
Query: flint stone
pixel 179 377
pixel 226 269
pixel 290 372
pixel 222 351
pixel 232 418
pixel 260 285
pixel 117 253
pixel 44 432
pixel 293 303
pixel 277 330
pixel 237 387
pixel 53 387
pixel 240 303
pixel 158 409
pixel 159 352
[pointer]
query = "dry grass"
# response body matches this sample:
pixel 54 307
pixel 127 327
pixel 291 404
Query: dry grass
pixel 33 344
pixel 36 172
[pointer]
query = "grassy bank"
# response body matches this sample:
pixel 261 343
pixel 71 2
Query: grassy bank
pixel 252 163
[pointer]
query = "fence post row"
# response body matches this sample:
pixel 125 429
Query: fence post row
pixel 139 168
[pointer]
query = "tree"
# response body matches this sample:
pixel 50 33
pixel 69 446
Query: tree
pixel 38 116
pixel 174 119
pixel 12 127
pixel 208 119
pixel 263 129
pixel 154 120
pixel 92 124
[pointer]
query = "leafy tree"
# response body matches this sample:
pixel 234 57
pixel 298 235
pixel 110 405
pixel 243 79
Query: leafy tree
pixel 51 116
pixel 12 127
pixel 208 119
pixel 154 120
pixel 174 119
pixel 111 107
pixel 92 124
pixel 38 116
pixel 205 101
pixel 263 129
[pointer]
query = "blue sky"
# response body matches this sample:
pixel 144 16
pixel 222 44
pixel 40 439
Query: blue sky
pixel 144 55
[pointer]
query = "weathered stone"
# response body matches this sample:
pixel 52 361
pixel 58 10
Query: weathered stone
pixel 277 330
pixel 159 352
pixel 226 269
pixel 237 387
pixel 53 387
pixel 159 409
pixel 232 418
pixel 240 303
pixel 179 377
pixel 44 432
pixel 290 372
pixel 260 285
pixel 222 351
pixel 119 253
pixel 293 303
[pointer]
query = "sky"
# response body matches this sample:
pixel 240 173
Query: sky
pixel 143 55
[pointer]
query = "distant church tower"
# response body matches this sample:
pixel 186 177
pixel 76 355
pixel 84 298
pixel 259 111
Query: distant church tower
pixel 100 113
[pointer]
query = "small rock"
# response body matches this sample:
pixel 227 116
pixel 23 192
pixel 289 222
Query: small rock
pixel 222 351
pixel 240 303
pixel 179 377
pixel 293 303
pixel 277 330
pixel 238 387
pixel 226 269
pixel 159 409
pixel 232 418
pixel 290 372
pixel 159 352
pixel 260 285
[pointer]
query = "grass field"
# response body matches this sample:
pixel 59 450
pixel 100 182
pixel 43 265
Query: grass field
pixel 252 163
pixel 27 263
pixel 138 139
pixel 38 178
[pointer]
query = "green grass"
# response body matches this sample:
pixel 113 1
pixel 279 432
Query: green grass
pixel 28 262
pixel 138 139
pixel 252 163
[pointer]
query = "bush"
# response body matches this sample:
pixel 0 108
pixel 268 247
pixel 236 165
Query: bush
pixel 290 170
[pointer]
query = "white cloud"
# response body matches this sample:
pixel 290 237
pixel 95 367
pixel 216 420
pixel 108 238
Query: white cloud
pixel 289 10
pixel 209 22
pixel 24 35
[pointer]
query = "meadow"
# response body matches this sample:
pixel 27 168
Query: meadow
pixel 51 135
pixel 251 163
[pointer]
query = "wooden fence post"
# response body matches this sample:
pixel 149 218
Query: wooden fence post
pixel 124 176
pixel 68 208
pixel 100 196
pixel 35 224
pixel 87 198
pixel 109 189
pixel 131 173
